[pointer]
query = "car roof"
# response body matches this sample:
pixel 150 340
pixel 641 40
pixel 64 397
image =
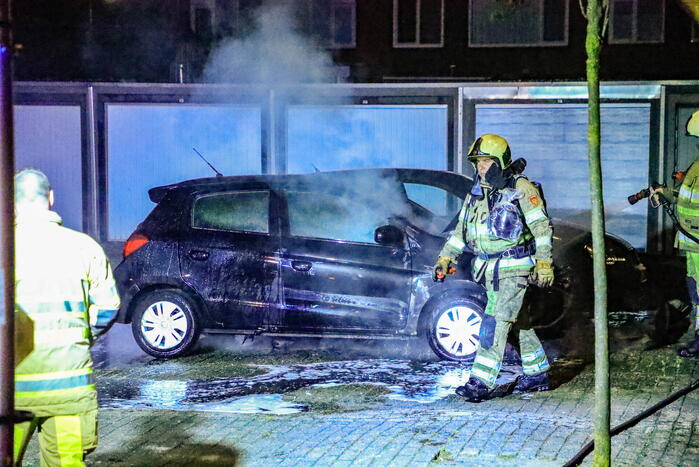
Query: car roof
pixel 455 183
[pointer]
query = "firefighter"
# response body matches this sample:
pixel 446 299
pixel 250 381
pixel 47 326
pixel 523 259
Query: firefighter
pixel 504 222
pixel 63 281
pixel 687 209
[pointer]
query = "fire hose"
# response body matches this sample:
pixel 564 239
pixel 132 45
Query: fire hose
pixel 587 449
pixel 665 203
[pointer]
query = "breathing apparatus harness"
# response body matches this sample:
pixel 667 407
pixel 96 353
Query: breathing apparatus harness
pixel 506 220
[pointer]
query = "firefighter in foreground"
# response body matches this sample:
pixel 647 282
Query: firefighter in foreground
pixel 65 284
pixel 504 222
pixel 687 210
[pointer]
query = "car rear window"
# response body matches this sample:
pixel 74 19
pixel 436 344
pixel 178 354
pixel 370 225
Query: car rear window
pixel 319 215
pixel 246 211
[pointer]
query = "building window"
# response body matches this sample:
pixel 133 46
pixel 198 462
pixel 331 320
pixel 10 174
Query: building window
pixel 521 23
pixel 418 23
pixel 636 21
pixel 331 22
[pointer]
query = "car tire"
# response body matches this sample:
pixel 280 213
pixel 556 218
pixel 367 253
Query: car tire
pixel 165 324
pixel 453 326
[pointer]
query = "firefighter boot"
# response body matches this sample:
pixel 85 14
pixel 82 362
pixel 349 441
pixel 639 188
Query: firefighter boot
pixel 475 390
pixel 692 350
pixel 533 383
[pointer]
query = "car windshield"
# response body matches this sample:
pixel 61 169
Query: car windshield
pixel 434 207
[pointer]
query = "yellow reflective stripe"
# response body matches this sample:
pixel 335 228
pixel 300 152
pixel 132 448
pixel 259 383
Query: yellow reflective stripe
pixel 534 215
pixel 542 241
pixel 688 193
pixel 690 211
pixel 69 440
pixel 531 356
pixel 60 337
pixel 455 242
pixel 506 263
pixel 53 375
pixel 57 393
pixel 486 362
pixel 487 377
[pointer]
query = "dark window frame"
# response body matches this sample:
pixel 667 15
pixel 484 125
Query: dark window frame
pixel 417 44
pixel 540 43
pixel 634 26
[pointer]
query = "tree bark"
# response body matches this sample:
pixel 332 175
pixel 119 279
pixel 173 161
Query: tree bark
pixel 593 45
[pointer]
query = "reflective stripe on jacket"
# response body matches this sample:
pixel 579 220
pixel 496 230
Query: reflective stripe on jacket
pixel 64 283
pixel 472 229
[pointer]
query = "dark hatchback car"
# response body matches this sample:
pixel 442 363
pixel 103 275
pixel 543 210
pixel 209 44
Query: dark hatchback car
pixel 343 253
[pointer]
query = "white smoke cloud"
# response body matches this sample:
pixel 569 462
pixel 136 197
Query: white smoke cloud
pixel 276 51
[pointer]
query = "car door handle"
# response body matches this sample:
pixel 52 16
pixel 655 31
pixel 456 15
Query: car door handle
pixel 199 255
pixel 302 266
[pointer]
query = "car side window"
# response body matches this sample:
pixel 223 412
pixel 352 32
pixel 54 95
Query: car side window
pixel 246 211
pixel 319 215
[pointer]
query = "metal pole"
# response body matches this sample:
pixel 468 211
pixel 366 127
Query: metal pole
pixel 593 44
pixel 7 248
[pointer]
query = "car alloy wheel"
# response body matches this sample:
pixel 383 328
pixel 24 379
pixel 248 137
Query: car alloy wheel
pixel 454 329
pixel 165 324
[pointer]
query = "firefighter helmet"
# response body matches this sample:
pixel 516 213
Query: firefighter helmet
pixel 693 124
pixel 492 146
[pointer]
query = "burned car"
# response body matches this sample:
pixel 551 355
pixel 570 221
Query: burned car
pixel 345 253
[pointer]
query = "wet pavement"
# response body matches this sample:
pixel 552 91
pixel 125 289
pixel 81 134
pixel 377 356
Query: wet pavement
pixel 420 382
pixel 231 404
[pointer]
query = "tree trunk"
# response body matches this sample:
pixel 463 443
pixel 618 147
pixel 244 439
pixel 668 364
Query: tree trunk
pixel 602 401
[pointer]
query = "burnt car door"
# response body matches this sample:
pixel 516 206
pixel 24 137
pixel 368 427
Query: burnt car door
pixel 335 276
pixel 230 255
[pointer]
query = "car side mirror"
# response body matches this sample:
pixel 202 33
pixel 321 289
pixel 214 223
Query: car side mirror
pixel 389 235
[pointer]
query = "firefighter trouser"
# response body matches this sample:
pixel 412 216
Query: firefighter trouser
pixel 500 314
pixel 692 281
pixel 63 439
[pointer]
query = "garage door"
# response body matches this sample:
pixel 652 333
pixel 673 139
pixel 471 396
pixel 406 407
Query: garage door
pixel 553 140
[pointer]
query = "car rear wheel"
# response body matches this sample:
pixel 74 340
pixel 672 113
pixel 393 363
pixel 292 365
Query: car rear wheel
pixel 165 324
pixel 453 328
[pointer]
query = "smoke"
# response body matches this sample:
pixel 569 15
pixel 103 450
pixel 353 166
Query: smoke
pixel 275 51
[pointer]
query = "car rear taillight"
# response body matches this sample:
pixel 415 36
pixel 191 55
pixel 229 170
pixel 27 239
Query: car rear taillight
pixel 134 242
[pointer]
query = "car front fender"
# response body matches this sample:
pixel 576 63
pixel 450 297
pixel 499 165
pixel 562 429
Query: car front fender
pixel 426 292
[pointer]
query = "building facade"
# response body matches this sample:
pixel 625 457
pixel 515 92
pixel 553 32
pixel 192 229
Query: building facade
pixel 364 40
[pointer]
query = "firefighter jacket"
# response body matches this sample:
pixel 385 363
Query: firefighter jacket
pixel 63 281
pixel 533 244
pixel 688 209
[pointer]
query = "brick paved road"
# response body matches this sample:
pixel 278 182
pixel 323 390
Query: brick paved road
pixel 544 429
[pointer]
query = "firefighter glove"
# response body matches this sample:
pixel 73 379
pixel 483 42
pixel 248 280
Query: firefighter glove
pixel 544 273
pixel 442 268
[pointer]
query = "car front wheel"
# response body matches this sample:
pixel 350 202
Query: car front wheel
pixel 453 328
pixel 165 324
